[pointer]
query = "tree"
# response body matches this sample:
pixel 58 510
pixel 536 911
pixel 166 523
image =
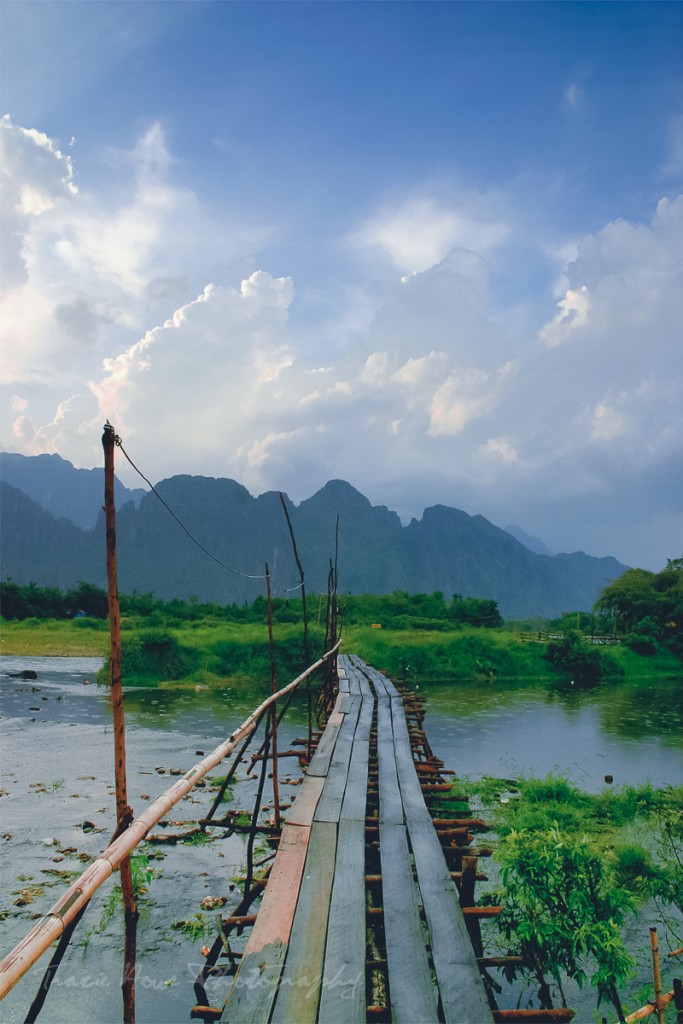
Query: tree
pixel 576 658
pixel 89 599
pixel 649 605
pixel 563 912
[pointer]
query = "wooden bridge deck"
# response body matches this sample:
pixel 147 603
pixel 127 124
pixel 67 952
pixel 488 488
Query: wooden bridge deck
pixel 305 960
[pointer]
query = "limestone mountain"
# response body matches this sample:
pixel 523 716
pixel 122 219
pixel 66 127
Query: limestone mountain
pixel 446 549
pixel 60 488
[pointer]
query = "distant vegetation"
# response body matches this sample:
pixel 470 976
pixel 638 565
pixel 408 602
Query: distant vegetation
pixel 648 606
pixel 415 637
pixel 396 611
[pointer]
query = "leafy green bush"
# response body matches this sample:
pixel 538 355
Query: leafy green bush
pixel 563 912
pixel 573 657
pixel 634 867
pixel 574 866
pixel 155 655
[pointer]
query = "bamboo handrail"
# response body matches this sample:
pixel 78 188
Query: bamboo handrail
pixel 42 935
pixel 649 1008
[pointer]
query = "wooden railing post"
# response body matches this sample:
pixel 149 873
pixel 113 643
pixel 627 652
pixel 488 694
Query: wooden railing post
pixel 273 710
pixel 124 814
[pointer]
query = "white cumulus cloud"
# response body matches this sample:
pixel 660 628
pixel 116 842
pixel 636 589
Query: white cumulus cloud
pixel 419 233
pixel 440 388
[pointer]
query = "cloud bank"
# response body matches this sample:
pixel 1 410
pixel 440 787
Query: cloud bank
pixel 562 412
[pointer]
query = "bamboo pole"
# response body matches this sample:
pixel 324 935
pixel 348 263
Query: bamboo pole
pixel 309 703
pixel 42 935
pixel 648 1009
pixel 656 974
pixel 124 813
pixel 273 708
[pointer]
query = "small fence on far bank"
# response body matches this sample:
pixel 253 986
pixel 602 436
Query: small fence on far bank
pixel 546 638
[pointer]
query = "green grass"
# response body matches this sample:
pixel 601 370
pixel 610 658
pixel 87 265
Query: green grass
pixel 53 638
pixel 466 653
pixel 212 651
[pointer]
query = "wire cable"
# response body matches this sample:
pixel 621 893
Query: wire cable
pixel 229 568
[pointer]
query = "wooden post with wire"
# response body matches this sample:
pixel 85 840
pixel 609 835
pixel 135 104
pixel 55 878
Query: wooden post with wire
pixel 124 813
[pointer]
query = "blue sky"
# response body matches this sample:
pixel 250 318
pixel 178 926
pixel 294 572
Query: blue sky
pixel 434 249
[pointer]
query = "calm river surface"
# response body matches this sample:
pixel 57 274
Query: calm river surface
pixel 56 774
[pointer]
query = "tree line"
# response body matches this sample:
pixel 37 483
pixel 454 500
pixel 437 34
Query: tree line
pixel 644 608
pixel 399 610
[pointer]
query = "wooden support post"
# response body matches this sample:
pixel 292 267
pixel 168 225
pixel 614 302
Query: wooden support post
pixel 678 999
pixel 657 976
pixel 309 702
pixel 124 814
pixel 273 710
pixel 469 877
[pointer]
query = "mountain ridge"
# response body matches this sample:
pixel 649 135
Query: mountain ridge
pixel 446 549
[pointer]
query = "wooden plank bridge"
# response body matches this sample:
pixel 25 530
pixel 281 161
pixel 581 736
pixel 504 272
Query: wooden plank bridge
pixel 360 880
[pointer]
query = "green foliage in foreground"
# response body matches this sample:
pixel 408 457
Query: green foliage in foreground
pixel 573 868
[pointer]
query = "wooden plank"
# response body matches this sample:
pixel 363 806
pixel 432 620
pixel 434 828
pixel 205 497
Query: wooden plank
pixel 388 685
pixel 306 800
pixel 354 683
pixel 356 795
pixel 377 683
pixel 381 682
pixel 275 916
pixel 330 803
pixel 253 991
pixel 462 991
pixel 320 762
pixel 411 794
pixel 251 997
pixel 299 992
pixel 413 995
pixel 390 802
pixel 343 998
pixel 365 688
pixel 360 669
pixel 343 682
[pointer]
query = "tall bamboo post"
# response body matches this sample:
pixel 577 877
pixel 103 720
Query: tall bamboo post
pixel 300 567
pixel 273 689
pixel 124 813
pixel 656 975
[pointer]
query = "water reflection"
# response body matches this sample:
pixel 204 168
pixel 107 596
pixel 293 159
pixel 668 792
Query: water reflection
pixel 57 772
pixel 631 730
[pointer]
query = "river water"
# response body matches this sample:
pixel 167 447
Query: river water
pixel 57 808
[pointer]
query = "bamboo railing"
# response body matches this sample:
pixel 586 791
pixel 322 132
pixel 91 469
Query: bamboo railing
pixel 32 946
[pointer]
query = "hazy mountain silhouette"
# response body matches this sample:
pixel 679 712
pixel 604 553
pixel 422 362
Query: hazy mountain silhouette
pixel 446 549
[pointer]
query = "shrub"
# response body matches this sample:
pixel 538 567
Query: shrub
pixel 573 657
pixel 157 655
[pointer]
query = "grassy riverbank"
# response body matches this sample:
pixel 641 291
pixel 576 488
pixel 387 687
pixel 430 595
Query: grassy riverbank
pixel 210 650
pixel 64 638
pixel 490 655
